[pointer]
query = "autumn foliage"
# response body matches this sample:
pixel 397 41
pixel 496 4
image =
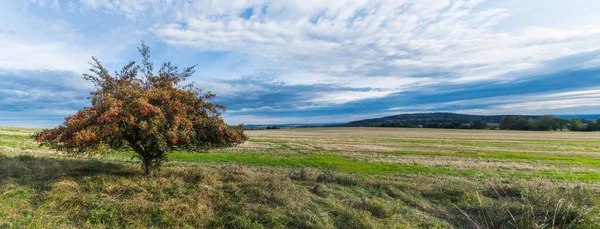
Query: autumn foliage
pixel 151 114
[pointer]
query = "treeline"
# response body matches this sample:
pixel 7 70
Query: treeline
pixel 272 128
pixel 421 119
pixel 392 124
pixel 544 123
pixel 548 123
pixel 475 124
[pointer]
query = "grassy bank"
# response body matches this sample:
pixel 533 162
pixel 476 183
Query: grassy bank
pixel 315 178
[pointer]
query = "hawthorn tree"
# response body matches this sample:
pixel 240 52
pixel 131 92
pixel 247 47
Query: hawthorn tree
pixel 151 114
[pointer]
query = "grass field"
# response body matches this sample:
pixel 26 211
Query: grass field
pixel 315 178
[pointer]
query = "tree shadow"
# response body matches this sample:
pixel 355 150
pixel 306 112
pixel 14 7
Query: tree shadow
pixel 41 176
pixel 41 172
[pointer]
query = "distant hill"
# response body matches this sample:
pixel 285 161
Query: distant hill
pixel 423 118
pixel 592 117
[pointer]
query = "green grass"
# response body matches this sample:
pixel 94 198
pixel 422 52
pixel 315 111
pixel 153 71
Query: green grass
pixel 319 161
pixel 314 178
pixel 345 164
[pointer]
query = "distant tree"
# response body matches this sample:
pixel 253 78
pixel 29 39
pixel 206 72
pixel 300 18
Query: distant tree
pixel 522 124
pixel 432 125
pixel 479 124
pixel 548 122
pixel 391 124
pixel 508 123
pixel 452 125
pixel 150 114
pixel 562 124
pixel 534 124
pixel 575 124
pixel 595 126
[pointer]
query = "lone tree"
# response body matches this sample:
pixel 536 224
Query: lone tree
pixel 575 124
pixel 148 113
pixel 479 124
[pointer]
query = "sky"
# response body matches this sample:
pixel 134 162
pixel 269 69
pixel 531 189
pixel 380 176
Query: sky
pixel 302 61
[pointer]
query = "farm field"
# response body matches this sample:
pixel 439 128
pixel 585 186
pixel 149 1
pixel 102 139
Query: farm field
pixel 314 178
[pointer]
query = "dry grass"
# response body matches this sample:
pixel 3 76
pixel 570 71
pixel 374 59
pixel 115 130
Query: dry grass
pixel 46 189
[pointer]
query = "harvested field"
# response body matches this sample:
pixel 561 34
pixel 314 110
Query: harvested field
pixel 315 178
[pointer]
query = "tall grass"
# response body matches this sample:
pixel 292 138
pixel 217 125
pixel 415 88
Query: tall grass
pixel 536 204
pixel 283 187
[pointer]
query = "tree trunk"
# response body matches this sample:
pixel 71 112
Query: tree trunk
pixel 147 166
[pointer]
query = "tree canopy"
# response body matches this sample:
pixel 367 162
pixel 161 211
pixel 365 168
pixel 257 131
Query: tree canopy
pixel 148 113
pixel 576 124
pixel 479 124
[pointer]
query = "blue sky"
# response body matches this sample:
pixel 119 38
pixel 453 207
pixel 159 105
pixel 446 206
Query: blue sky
pixel 301 61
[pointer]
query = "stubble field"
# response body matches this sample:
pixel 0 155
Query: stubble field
pixel 314 178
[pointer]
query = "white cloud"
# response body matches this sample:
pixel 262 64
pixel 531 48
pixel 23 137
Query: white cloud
pixel 381 44
pixel 47 3
pixel 555 101
pixel 29 41
pixel 395 39
pixel 334 118
pixel 341 97
pixel 350 50
pixel 45 55
pixel 571 102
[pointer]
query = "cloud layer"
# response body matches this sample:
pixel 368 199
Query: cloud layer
pixel 322 61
